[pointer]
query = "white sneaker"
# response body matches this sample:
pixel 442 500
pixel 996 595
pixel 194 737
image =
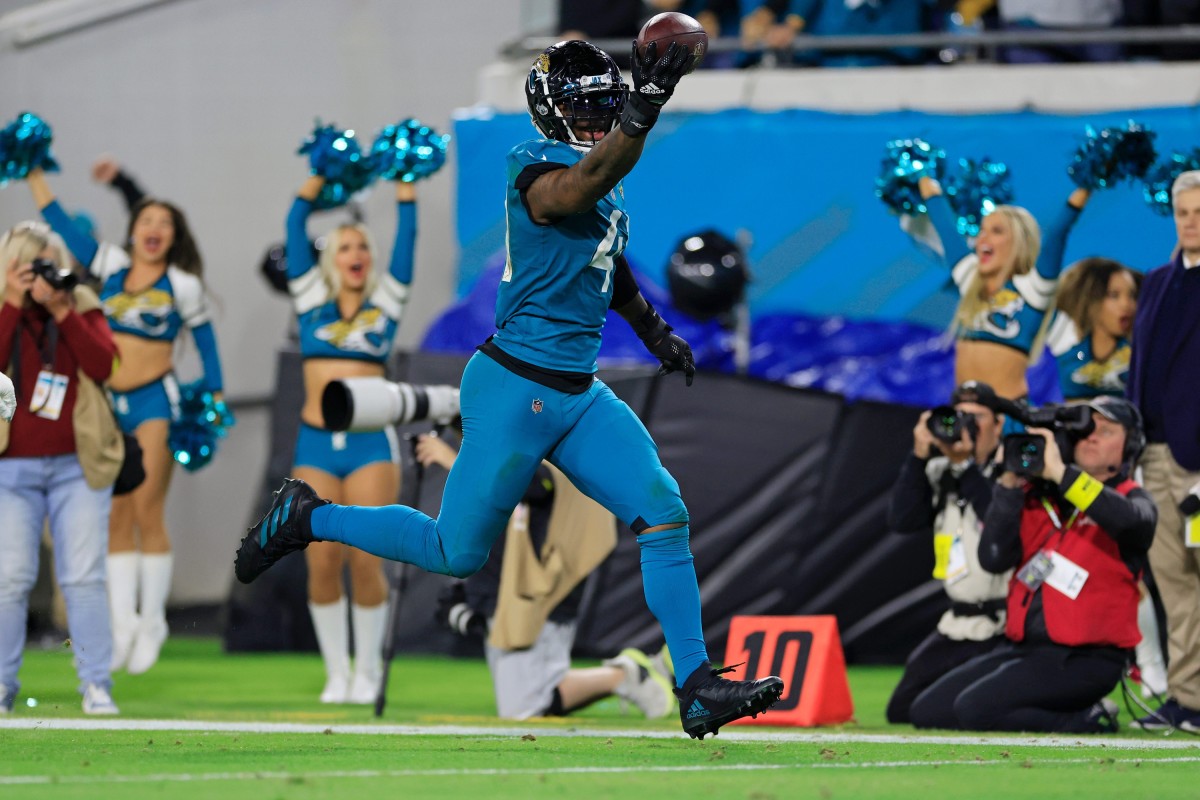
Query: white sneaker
pixel 97 701
pixel 151 634
pixel 644 685
pixel 364 688
pixel 337 689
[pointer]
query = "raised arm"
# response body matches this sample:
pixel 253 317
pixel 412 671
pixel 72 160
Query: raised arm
pixel 401 266
pixel 299 249
pixel 1054 235
pixel 82 246
pixel 107 170
pixel 954 246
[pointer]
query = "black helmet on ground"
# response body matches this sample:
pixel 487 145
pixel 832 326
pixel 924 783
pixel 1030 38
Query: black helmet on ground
pixel 707 275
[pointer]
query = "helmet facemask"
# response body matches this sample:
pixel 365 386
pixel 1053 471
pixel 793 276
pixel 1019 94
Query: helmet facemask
pixel 575 85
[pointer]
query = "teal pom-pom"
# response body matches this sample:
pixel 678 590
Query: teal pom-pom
pixel 334 155
pixel 408 151
pixel 904 163
pixel 1161 177
pixel 202 420
pixel 976 190
pixel 24 146
pixel 1111 155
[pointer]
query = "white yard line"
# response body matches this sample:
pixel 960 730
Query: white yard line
pixel 25 780
pixel 729 734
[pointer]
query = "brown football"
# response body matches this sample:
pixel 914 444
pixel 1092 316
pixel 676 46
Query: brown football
pixel 671 26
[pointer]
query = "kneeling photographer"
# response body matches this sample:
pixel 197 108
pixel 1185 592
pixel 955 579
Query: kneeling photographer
pixel 1077 534
pixel 944 490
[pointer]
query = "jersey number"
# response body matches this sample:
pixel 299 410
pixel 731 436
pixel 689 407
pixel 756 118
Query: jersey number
pixel 609 248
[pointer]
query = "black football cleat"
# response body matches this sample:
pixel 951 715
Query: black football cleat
pixel 708 701
pixel 282 530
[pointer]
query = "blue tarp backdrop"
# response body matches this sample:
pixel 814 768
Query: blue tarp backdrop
pixel 802 184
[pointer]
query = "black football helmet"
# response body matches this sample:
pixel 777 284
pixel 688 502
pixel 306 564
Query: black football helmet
pixel 574 84
pixel 707 275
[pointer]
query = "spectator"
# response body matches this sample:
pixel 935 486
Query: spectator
pixel 1078 539
pixel 1061 15
pixel 944 490
pixel 777 22
pixel 58 457
pixel 530 629
pixel 1168 14
pixel 1162 381
pixel 587 20
pixel 718 18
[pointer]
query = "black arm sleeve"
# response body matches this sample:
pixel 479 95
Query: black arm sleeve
pixel 625 288
pixel 129 189
pixel 1000 543
pixel 530 174
pixel 1129 519
pixel 976 489
pixel 910 509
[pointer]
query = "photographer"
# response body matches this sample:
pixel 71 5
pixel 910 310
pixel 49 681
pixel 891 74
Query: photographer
pixel 58 457
pixel 944 489
pixel 1077 535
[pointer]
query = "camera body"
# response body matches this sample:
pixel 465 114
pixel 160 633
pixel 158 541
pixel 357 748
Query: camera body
pixel 60 278
pixel 364 404
pixel 1025 453
pixel 948 423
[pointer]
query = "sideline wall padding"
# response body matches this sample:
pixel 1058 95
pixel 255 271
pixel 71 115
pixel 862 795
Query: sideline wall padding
pixel 787 494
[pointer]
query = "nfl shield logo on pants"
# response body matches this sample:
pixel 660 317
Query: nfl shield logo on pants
pixel 537 406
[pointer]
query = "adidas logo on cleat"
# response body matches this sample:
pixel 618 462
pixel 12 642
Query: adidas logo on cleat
pixel 697 710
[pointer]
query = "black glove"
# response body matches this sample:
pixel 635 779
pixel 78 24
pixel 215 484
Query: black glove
pixel 654 81
pixel 672 351
pixel 453 612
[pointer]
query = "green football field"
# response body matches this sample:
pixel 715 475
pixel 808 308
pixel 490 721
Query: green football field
pixel 206 724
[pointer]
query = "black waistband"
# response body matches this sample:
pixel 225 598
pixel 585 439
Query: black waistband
pixel 567 382
pixel 988 608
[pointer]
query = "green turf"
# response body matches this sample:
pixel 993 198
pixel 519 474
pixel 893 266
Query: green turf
pixel 196 682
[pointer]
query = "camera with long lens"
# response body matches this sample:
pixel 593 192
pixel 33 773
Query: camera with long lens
pixel 59 278
pixel 948 423
pixel 368 404
pixel 1025 453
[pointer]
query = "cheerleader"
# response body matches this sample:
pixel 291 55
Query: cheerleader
pixel 1089 336
pixel 1007 285
pixel 348 314
pixel 152 290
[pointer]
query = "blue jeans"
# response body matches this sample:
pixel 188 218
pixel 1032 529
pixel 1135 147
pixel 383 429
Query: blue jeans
pixel 32 489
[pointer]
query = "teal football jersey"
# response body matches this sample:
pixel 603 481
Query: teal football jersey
pixel 558 278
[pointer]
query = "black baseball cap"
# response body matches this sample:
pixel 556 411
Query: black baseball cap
pixel 974 392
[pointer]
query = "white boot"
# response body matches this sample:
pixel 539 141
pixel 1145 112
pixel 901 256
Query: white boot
pixel 333 637
pixel 122 603
pixel 1148 653
pixel 152 631
pixel 369 625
